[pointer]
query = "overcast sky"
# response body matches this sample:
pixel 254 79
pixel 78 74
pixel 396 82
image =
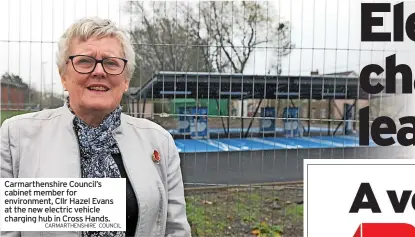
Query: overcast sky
pixel 326 34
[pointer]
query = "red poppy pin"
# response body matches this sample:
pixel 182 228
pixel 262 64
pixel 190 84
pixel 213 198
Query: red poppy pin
pixel 156 156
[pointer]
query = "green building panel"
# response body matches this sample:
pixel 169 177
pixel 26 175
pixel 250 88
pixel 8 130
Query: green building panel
pixel 212 105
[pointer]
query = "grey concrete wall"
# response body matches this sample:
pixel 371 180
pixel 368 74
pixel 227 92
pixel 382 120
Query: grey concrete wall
pixel 248 167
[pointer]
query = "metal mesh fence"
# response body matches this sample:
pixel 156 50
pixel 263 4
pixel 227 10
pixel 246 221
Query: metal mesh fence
pixel 247 89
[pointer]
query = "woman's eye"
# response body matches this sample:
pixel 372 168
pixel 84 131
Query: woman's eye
pixel 111 63
pixel 85 61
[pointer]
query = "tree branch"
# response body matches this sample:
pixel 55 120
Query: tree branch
pixel 235 68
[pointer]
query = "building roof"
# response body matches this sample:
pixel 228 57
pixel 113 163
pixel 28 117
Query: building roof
pixel 238 86
pixel 11 84
pixel 346 73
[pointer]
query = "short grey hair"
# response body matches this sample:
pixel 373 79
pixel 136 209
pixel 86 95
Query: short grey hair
pixel 86 28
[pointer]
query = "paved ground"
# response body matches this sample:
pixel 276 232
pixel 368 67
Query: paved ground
pixel 266 144
pixel 247 167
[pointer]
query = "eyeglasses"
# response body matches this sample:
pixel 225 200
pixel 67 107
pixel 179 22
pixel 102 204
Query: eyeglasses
pixel 86 64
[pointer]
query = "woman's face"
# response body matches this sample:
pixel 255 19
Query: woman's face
pixel 97 91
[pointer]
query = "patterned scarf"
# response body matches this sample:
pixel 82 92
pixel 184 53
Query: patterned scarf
pixel 97 146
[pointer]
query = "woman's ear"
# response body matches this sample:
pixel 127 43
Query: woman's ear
pixel 127 84
pixel 64 82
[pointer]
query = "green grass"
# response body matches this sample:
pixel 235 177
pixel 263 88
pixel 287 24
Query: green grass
pixel 295 210
pixel 238 213
pixel 5 114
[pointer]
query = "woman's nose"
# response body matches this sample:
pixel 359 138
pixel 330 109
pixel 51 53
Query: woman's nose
pixel 98 71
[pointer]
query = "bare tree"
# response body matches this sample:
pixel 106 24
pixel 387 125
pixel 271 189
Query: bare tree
pixel 203 36
pixel 283 46
pixel 164 44
pixel 236 29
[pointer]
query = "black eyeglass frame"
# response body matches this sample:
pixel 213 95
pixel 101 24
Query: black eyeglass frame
pixel 96 62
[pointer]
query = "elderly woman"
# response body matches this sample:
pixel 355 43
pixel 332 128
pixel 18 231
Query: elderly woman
pixel 90 137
